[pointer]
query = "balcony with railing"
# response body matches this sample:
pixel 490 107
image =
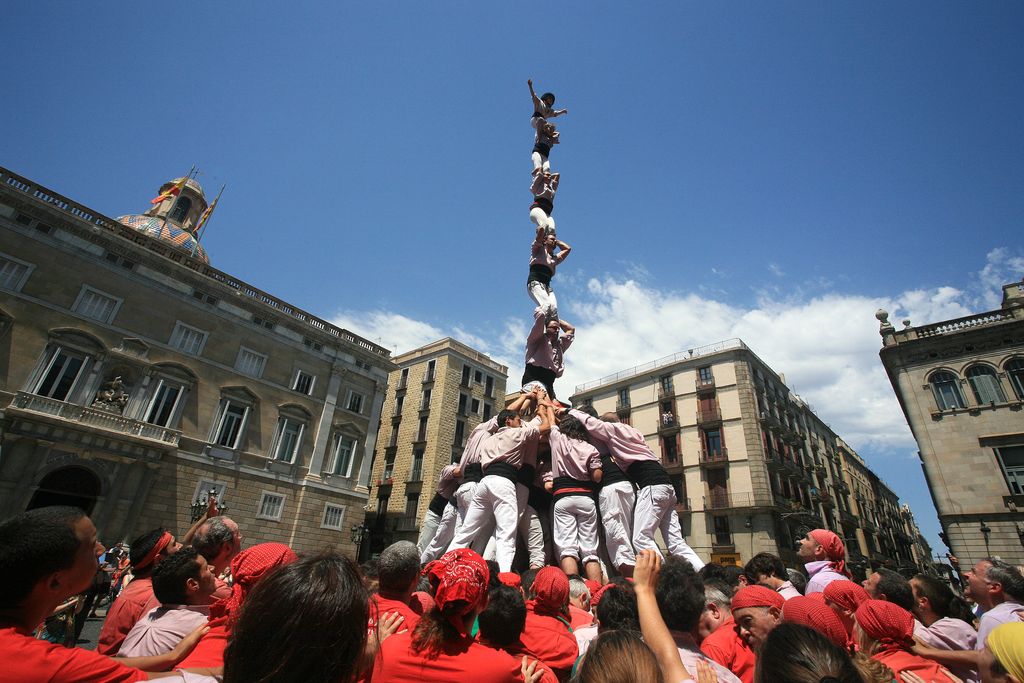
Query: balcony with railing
pixel 668 424
pixel 722 500
pixel 718 458
pixel 708 414
pixel 666 391
pixel 622 407
pixel 93 418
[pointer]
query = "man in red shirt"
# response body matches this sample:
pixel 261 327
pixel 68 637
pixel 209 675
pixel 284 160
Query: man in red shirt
pixel 717 632
pixel 137 598
pixel 547 635
pixel 398 571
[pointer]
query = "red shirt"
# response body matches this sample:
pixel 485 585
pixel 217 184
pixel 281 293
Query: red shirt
pixel 29 660
pixel 549 639
pixel 209 651
pixel 459 661
pixel 726 647
pixel 382 605
pixel 579 618
pixel 900 661
pixel 131 605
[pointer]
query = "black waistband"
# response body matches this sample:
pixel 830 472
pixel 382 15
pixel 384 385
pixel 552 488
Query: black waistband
pixel 473 472
pixel 647 473
pixel 540 273
pixel 545 150
pixel 610 472
pixel 567 486
pixel 539 499
pixel 437 503
pixel 543 203
pixel 525 476
pixel 502 469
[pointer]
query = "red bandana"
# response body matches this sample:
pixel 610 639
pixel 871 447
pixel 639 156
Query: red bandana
pixel 756 596
pixel 510 579
pixel 150 557
pixel 815 614
pixel 461 575
pixel 595 596
pixel 835 551
pixel 847 594
pixel 248 567
pixel 889 624
pixel 551 586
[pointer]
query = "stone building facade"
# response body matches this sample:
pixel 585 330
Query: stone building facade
pixel 960 384
pixel 436 396
pixel 754 468
pixel 134 377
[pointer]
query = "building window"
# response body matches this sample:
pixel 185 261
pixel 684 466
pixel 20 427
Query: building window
pixel 431 368
pixel 713 441
pixel 344 452
pixel 460 432
pixel 475 406
pixel 162 409
pixel 14 272
pixel 271 506
pixel 1011 459
pixel 389 467
pixel 722 534
pixel 412 501
pixel 250 363
pixel 188 339
pixel 421 433
pixel 623 398
pixel 465 375
pixel 417 465
pixel 463 400
pixel 946 388
pixel 478 377
pixel 334 517
pixel 181 209
pixel 487 412
pixel 404 379
pixel 705 376
pixel 230 424
pixel 425 402
pixel 985 385
pixel 303 382
pixel 61 374
pixel 289 437
pixel 665 381
pixel 355 402
pixel 669 449
pixel 489 387
pixel 96 305
pixel 399 403
pixel 1015 371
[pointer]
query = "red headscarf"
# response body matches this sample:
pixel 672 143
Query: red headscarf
pixel 461 575
pixel 511 579
pixel 757 596
pixel 835 551
pixel 815 614
pixel 551 586
pixel 248 567
pixel 595 596
pixel 847 594
pixel 150 557
pixel 889 624
pixel 592 586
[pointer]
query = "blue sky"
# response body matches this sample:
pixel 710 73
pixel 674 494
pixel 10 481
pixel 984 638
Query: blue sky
pixel 774 171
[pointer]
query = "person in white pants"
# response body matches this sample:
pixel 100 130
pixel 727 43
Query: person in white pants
pixel 472 473
pixel 543 188
pixel 543 262
pixel 439 504
pixel 655 498
pixel 575 472
pixel 543 109
pixel 501 455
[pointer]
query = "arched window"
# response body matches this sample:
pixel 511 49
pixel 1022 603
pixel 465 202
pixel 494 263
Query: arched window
pixel 1015 371
pixel 985 385
pixel 946 387
pixel 181 209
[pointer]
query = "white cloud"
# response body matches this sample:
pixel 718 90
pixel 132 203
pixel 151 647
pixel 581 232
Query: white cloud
pixel 776 270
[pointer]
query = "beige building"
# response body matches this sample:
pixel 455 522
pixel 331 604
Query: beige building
pixel 961 386
pixel 436 396
pixel 754 468
pixel 134 377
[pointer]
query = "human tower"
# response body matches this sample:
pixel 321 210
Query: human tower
pixel 561 473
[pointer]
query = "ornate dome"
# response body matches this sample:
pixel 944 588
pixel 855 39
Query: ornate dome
pixel 166 231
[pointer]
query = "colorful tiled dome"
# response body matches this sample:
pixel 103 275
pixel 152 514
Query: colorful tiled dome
pixel 166 231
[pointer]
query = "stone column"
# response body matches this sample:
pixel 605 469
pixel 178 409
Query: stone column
pixel 371 433
pixel 323 428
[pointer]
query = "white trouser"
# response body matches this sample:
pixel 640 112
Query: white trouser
pixel 540 218
pixel 540 162
pixel 494 497
pixel 656 509
pixel 530 527
pixel 575 528
pixel 543 296
pixel 443 536
pixel 616 502
pixel 463 497
pixel 427 530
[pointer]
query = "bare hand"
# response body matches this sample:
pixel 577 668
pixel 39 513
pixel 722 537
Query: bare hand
pixel 648 566
pixel 531 673
pixel 388 625
pixel 705 674
pixel 529 82
pixel 189 642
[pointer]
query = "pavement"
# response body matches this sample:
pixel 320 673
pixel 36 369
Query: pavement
pixel 91 631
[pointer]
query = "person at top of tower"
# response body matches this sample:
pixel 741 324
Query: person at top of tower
pixel 543 105
pixel 543 188
pixel 543 262
pixel 545 352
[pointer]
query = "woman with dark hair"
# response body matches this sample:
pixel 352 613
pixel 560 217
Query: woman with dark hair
pixel 798 654
pixel 298 624
pixel 575 473
pixel 440 649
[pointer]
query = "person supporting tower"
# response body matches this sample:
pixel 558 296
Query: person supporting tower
pixel 441 514
pixel 543 262
pixel 545 352
pixel 655 498
pixel 544 186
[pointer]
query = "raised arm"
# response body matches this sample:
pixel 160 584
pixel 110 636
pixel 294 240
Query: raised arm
pixel 554 181
pixel 537 332
pixel 546 419
pixel 533 95
pixel 563 252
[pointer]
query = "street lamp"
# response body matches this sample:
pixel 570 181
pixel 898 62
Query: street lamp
pixel 985 531
pixel 359 533
pixel 200 505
